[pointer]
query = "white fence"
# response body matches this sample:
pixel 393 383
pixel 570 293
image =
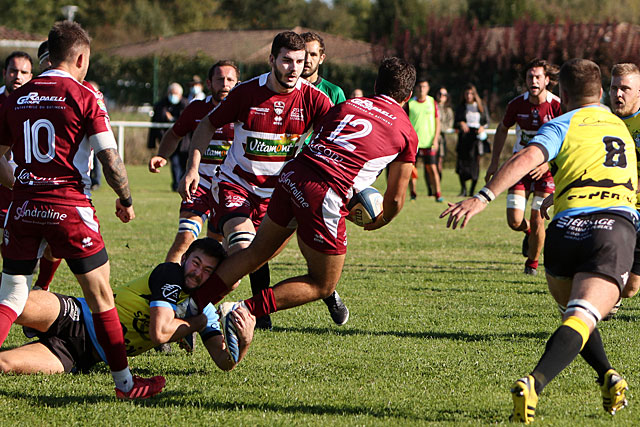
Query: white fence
pixel 121 125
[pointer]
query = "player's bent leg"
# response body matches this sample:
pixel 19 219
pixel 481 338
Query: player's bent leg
pixel 31 358
pixel 632 287
pixel 324 272
pixel 190 225
pixel 40 311
pixel 536 237
pixel 516 204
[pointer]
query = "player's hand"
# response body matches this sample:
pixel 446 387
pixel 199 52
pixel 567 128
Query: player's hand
pixel 491 170
pixel 378 223
pixel 124 214
pixel 156 163
pixel 188 185
pixel 538 172
pixel 464 209
pixel 245 323
pixel 546 204
pixel 464 127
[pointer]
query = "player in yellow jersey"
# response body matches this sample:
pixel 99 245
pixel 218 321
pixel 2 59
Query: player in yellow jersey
pixel 624 93
pixel 589 244
pixel 152 311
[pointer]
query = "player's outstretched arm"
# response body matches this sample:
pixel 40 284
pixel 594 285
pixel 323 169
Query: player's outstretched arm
pixel 199 143
pixel 116 176
pixel 165 327
pixel 515 168
pixel 167 147
pixel 245 323
pixel 394 196
pixel 498 144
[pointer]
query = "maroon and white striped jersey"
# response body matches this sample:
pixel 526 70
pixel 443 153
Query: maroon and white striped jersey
pixel 357 139
pixel 48 122
pixel 268 126
pixel 220 141
pixel 528 117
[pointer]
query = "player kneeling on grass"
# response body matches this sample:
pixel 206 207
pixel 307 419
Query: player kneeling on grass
pixel 590 241
pixel 354 142
pixel 147 309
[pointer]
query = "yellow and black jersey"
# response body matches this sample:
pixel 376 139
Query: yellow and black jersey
pixel 162 287
pixel 596 161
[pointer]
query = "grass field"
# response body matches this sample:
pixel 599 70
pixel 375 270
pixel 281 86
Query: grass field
pixel 442 322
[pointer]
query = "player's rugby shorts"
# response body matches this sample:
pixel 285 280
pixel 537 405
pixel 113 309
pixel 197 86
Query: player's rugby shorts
pixel 232 200
pixel 598 243
pixel 543 185
pixel 68 339
pixel 201 202
pixel 72 232
pixel 302 199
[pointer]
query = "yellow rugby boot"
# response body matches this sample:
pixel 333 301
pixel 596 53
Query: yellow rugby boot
pixel 525 400
pixel 613 389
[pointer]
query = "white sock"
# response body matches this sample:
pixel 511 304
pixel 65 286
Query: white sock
pixel 123 379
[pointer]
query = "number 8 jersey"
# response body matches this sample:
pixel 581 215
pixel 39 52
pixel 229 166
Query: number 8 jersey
pixel 48 123
pixel 596 162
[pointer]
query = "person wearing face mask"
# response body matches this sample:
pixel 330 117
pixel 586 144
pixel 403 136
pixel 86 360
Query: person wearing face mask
pixel 196 90
pixel 167 110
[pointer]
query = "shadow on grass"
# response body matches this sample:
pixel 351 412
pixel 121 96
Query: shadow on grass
pixel 455 336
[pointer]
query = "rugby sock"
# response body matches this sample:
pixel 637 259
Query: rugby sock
pixel 593 353
pixel 110 337
pixel 260 279
pixel 123 379
pixel 211 291
pixel 531 263
pixel 47 270
pixel 563 346
pixel 7 317
pixel 262 304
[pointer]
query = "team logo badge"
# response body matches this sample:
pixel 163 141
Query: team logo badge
pixel 86 242
pixel 171 291
pixel 278 107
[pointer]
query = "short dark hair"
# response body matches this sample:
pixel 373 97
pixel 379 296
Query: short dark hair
pixel 550 70
pixel 396 78
pixel 17 54
pixel 288 40
pixel 208 246
pixel 581 79
pixel 310 36
pixel 223 63
pixel 65 39
pixel 421 79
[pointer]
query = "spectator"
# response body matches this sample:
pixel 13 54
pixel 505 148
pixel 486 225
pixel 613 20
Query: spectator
pixel 470 119
pixel 446 123
pixel 167 110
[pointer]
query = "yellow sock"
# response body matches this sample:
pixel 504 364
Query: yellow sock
pixel 580 327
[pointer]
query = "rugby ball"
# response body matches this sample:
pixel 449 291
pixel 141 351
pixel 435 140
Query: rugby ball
pixel 365 206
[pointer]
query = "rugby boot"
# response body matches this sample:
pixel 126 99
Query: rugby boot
pixel 525 400
pixel 338 310
pixel 613 389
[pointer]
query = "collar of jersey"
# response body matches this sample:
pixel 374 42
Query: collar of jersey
pixel 57 73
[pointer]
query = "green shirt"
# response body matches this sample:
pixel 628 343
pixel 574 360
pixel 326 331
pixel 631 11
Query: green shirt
pixel 423 118
pixel 334 92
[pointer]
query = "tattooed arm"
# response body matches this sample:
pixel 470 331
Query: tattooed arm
pixel 116 176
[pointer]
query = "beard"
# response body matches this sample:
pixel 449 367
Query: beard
pixel 308 72
pixel 280 78
pixel 220 95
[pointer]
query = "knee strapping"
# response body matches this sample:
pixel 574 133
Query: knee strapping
pixel 239 237
pixel 516 201
pixel 189 226
pixel 536 203
pixel 15 291
pixel 584 307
